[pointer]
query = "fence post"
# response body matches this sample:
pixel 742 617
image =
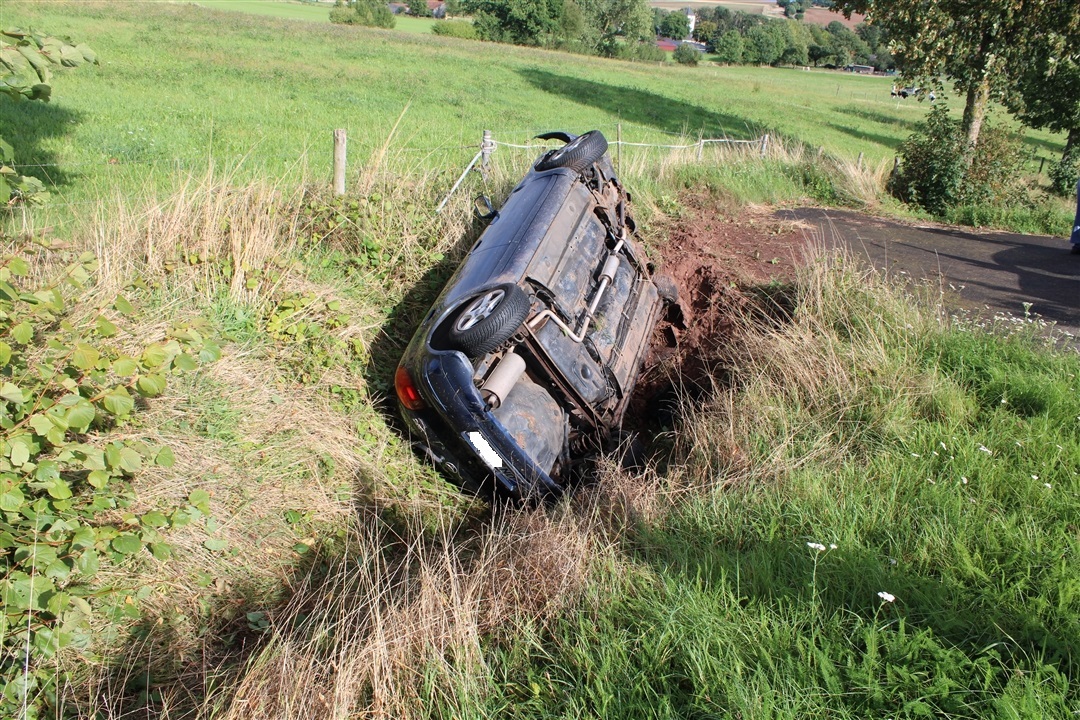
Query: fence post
pixel 1042 160
pixel 764 144
pixel 858 163
pixel 487 146
pixel 339 162
pixel 700 146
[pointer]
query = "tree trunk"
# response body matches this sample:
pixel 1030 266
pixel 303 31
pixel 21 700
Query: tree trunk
pixel 978 97
pixel 1071 143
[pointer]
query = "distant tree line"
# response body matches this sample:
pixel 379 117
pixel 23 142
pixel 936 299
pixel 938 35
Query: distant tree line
pixel 608 28
pixel 735 38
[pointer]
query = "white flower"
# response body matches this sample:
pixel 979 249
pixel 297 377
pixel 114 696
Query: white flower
pixel 1034 477
pixel 815 546
pixel 832 546
pixel 963 479
pixel 915 455
pixel 985 449
pixel 1048 486
pixel 886 597
pixel 945 448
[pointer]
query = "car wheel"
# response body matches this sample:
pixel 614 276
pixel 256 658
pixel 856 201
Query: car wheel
pixel 577 155
pixel 489 320
pixel 666 287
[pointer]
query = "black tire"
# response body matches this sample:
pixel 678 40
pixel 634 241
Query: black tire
pixel 666 287
pixel 489 320
pixel 578 155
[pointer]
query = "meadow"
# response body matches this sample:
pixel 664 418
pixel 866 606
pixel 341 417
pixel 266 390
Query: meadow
pixel 261 96
pixel 870 513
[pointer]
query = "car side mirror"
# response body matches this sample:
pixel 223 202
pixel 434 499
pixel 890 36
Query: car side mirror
pixel 483 208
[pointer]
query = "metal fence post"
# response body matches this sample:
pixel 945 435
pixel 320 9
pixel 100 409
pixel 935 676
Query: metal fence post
pixel 487 147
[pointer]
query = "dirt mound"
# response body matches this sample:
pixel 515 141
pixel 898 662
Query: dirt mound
pixel 715 261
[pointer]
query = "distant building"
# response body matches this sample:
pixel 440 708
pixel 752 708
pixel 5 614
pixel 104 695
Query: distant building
pixel 692 18
pixel 666 45
pixel 862 69
pixel 437 8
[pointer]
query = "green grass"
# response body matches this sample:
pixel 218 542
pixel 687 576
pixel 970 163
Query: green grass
pixel 314 12
pixel 356 582
pixel 264 95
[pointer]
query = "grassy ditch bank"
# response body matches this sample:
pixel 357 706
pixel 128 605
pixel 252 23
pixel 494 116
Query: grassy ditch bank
pixel 291 558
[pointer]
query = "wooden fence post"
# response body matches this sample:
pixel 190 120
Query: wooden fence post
pixel 339 162
pixel 858 163
pixel 764 144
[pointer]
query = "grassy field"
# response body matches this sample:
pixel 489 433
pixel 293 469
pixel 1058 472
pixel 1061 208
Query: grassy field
pixel 262 96
pixel 872 514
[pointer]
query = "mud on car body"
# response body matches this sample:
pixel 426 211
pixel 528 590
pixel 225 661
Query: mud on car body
pixel 525 364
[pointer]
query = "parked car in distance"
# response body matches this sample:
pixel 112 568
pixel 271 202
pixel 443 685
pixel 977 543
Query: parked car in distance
pixel 525 365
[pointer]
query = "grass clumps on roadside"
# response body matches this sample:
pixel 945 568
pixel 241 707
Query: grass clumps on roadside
pixel 875 520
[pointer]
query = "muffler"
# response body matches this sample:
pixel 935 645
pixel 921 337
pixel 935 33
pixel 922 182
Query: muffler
pixel 502 379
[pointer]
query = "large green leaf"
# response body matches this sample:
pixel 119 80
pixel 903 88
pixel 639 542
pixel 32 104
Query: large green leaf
pixel 127 544
pixel 118 401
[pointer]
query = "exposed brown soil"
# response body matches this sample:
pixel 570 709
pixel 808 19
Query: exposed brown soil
pixel 714 259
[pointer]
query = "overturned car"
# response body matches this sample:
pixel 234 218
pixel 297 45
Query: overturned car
pixel 524 367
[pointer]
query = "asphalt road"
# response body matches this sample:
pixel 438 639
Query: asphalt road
pixel 982 271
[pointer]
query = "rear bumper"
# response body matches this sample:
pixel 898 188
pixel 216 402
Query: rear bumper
pixel 463 438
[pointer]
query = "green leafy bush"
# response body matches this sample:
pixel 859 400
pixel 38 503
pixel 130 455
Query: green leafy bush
pixel 69 385
pixel 26 63
pixel 1064 173
pixel 640 52
pixel 369 13
pixel 686 55
pixel 935 174
pixel 455 28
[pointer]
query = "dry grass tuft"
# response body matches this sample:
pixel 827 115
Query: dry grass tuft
pixel 822 349
pixel 401 613
pixel 203 222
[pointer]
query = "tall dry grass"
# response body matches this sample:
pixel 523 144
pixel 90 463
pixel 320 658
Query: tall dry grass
pixel 807 363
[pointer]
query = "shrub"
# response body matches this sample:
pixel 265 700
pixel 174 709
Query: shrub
pixel 70 384
pixel 686 55
pixel 363 12
pixel 934 173
pixel 455 28
pixel 1063 174
pixel 640 52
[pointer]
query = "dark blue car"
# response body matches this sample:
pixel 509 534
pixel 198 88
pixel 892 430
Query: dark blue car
pixel 525 365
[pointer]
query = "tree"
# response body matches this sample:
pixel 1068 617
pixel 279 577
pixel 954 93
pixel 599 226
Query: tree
pixel 729 47
pixel 26 63
pixel 370 13
pixel 1046 94
pixel 419 8
pixel 521 22
pixel 704 30
pixel 765 43
pixel 617 22
pixel 981 47
pixel 675 25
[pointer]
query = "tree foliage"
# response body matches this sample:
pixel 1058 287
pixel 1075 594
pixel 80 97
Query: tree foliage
pixel 1046 94
pixel 27 60
pixel 369 13
pixel 597 27
pixel 981 47
pixel 69 385
pixel 675 25
pixel 686 55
